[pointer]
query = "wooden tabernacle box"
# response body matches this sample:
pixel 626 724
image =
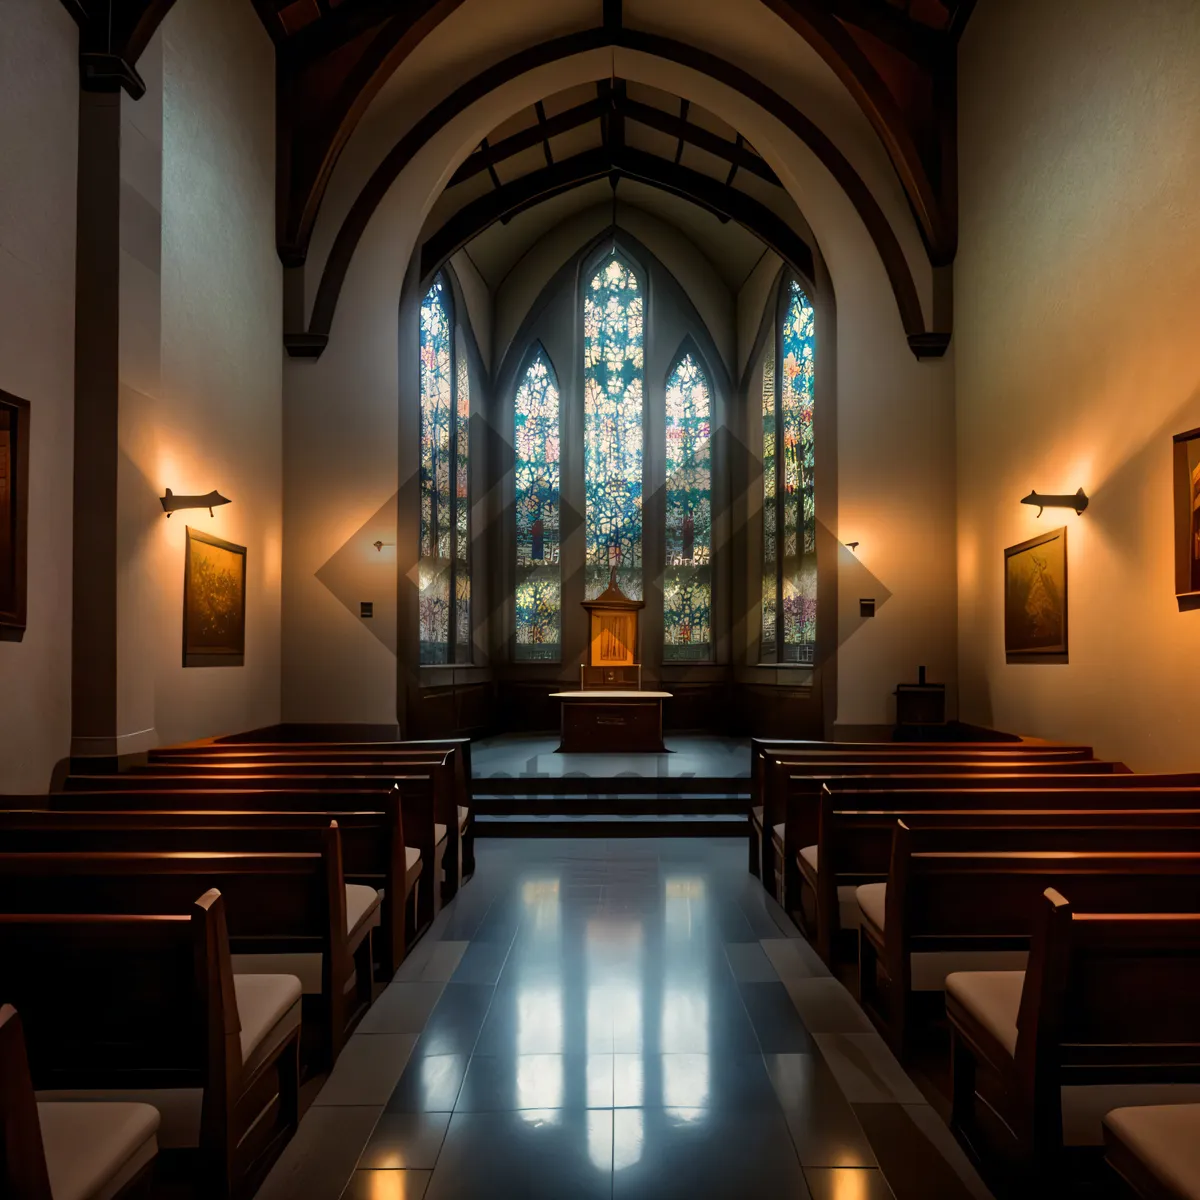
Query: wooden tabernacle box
pixel 612 641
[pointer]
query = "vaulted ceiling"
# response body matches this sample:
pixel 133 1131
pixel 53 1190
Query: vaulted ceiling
pixel 895 58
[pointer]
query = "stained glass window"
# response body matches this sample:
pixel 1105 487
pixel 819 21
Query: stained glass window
pixel 613 312
pixel 687 579
pixel 789 512
pixel 536 496
pixel 443 571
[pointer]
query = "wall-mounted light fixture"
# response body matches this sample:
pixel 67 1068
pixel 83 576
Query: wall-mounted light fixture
pixel 1078 502
pixel 173 503
pixel 380 545
pixel 851 546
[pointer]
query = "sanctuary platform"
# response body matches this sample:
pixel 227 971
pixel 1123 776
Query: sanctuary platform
pixel 523 786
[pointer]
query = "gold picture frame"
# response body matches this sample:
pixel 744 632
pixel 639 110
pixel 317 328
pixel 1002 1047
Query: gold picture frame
pixel 1035 597
pixel 214 602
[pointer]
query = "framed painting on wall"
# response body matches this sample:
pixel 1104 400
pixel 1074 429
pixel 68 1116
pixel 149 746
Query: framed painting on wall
pixel 14 514
pixel 214 602
pixel 1035 596
pixel 1187 518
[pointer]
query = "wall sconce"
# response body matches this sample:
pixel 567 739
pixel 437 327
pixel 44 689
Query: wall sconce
pixel 173 503
pixel 851 546
pixel 1078 502
pixel 380 545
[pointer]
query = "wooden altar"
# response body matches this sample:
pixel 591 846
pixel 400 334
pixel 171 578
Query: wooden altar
pixel 610 713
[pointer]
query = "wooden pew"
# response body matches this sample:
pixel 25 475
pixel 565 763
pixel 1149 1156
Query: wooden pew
pixel 854 835
pixel 281 909
pixel 974 892
pixel 373 849
pixel 785 780
pixel 80 1149
pixel 148 1006
pixel 439 769
pixel 1109 997
pixel 277 793
pixel 257 759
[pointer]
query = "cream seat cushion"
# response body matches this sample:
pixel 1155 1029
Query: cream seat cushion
pixel 464 815
pixel 930 968
pixel 439 834
pixel 268 1011
pixel 757 813
pixel 993 998
pixel 94 1149
pixel 361 901
pixel 848 912
pixel 996 1003
pixel 777 833
pixel 1165 1139
pixel 412 856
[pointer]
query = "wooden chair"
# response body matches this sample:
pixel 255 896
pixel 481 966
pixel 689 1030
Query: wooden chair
pixel 1154 1149
pixel 966 899
pixel 373 849
pixel 147 1007
pixel 286 913
pixel 854 837
pixel 1109 998
pixel 88 1151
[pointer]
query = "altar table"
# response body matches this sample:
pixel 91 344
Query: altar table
pixel 611 722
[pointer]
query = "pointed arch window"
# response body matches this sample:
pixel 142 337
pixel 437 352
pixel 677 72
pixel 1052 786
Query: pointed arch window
pixel 613 363
pixel 687 578
pixel 444 577
pixel 789 604
pixel 537 504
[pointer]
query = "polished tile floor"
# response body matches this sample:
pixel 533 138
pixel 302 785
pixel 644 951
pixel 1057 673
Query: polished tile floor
pixel 620 1019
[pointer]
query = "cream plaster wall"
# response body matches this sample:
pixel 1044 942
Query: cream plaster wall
pixel 216 420
pixel 39 115
pixel 1078 356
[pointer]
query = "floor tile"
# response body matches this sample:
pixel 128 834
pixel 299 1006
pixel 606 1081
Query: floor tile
pixel 685 1154
pixel 793 958
pixel 939 1135
pixel 534 1155
pixel 430 1083
pixel 456 1019
pixel 367 1069
pixel 724 1081
pixel 443 960
pixel 847 1183
pixel 405 1140
pixel 824 1129
pixel 481 963
pixel 319 1160
pixel 387 1185
pixel 537 1081
pixel 749 964
pixel 826 1007
pixel 914 1167
pixel 402 1007
pixel 866 1070
pixel 776 1023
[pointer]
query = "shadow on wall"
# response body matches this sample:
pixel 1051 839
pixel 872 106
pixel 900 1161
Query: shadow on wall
pixel 364 571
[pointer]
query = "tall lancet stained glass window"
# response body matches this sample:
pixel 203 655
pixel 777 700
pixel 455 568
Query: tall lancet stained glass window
pixel 687 579
pixel 444 580
pixel 789 511
pixel 536 496
pixel 613 315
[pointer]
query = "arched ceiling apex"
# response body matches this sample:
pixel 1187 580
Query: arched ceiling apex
pixel 896 58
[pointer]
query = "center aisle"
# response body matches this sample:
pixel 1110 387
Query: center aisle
pixel 617 1018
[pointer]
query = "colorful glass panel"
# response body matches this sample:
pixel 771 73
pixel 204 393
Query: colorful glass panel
pixel 687 578
pixel 613 314
pixel 770 582
pixel 799 509
pixel 444 484
pixel 536 497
